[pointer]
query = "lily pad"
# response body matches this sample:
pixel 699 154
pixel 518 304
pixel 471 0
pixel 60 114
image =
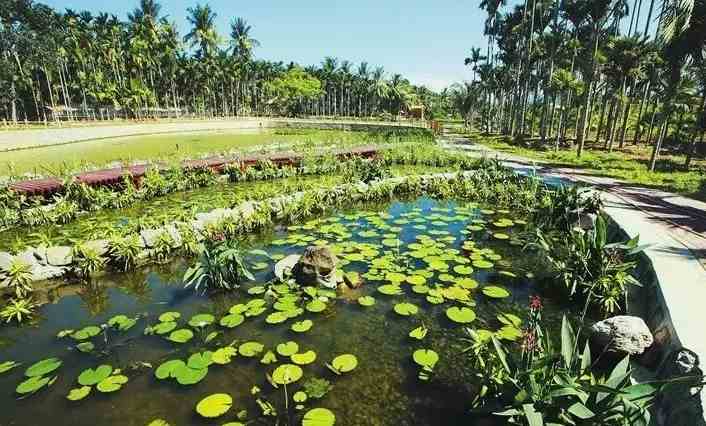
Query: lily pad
pixel 406 309
pixel 232 320
pixel 286 374
pixel 78 393
pixel 319 417
pixel 300 397
pixel 91 377
pixel 214 405
pixel 185 375
pixel 302 326
pixel 43 367
pixel 168 369
pixel 169 316
pixel 33 384
pixel 316 306
pixel 223 356
pixel 200 360
pixel 482 264
pixel 425 358
pixel 181 336
pixel 268 358
pixel 276 318
pixel 164 327
pixel 390 289
pixel 419 333
pixel 86 333
pixel 250 349
pixel 304 358
pixel 366 301
pixel 112 384
pixel 461 315
pixel 287 349
pixel 7 366
pixel 344 363
pixel 495 292
pixel 201 320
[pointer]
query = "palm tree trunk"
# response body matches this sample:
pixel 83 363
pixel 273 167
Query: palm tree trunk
pixel 581 128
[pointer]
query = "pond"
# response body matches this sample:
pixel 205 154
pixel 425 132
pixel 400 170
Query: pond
pixel 434 266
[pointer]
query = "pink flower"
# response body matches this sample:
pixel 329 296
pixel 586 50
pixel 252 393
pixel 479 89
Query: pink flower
pixel 535 303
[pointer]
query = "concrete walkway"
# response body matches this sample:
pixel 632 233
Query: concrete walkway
pixel 674 281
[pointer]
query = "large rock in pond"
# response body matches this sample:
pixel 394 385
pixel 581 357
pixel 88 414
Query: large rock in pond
pixel 285 266
pixel 317 266
pixel 59 256
pixel 622 334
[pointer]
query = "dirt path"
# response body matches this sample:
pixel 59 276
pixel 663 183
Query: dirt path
pixel 683 219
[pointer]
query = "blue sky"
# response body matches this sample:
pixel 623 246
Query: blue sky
pixel 424 40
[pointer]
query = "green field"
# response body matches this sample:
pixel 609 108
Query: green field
pixel 60 159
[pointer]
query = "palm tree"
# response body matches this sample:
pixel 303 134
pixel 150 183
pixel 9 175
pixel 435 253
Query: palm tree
pixel 474 59
pixel 241 41
pixel 203 33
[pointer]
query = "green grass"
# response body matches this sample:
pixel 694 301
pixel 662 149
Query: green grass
pixel 58 160
pixel 628 165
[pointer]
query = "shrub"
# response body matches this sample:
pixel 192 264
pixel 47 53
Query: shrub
pixel 18 277
pixel 221 265
pixel 87 260
pixel 18 310
pixel 123 252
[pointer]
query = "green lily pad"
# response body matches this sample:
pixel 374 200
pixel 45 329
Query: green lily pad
pixel 169 316
pixel 419 333
pixel 232 320
pixel 319 417
pixel 201 320
pixel 286 374
pixel 406 309
pixel 91 377
pixel 463 269
pixel 495 292
pixel 86 333
pixel 200 360
pixel 7 366
pixel 43 367
pixel 268 358
pixel 482 264
pixel 276 318
pixel 344 363
pixel 287 349
pixel 304 358
pixel 181 336
pixel 189 376
pixel 366 301
pixel 390 289
pixel 461 315
pixel 425 358
pixel 250 349
pixel 122 322
pixel 168 369
pixel 78 393
pixel 416 280
pixel 85 347
pixel 112 384
pixel 302 326
pixel 316 306
pixel 300 397
pixel 164 327
pixel 223 356
pixel 214 405
pixel 501 236
pixel 33 384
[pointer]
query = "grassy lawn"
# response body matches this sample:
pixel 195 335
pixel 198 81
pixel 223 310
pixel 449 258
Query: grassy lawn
pixel 59 159
pixel 629 164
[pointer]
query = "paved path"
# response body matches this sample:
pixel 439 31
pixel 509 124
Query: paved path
pixel 683 219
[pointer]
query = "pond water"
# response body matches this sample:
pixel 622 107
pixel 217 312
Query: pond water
pixel 431 255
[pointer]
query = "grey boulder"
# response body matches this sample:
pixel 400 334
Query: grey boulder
pixel 622 334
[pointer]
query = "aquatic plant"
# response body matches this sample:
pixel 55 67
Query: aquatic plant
pixel 18 277
pixel 18 310
pixel 221 265
pixel 87 261
pixel 123 252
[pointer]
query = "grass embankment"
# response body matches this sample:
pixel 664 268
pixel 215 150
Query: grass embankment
pixel 629 164
pixel 62 159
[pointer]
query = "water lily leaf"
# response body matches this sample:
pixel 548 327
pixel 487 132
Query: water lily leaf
pixel 86 333
pixel 189 376
pixel 78 393
pixel 277 317
pixel 286 374
pixel 250 349
pixel 287 349
pixel 232 320
pixel 482 264
pixel 304 358
pixel 214 405
pixel 495 292
pixel 85 347
pixel 43 367
pixel 425 358
pixel 406 309
pixel 181 336
pixel 501 236
pixel 168 369
pixel 122 322
pixel 7 366
pixel 223 356
pixel 419 333
pixel 463 269
pixel 461 315
pixel 366 301
pixel 112 384
pixel 416 280
pixel 238 309
pixel 316 306
pixel 33 384
pixel 300 397
pixel 420 289
pixel 91 377
pixel 169 316
pixel 344 363
pixel 158 422
pixel 509 319
pixel 201 320
pixel 302 326
pixel 319 417
pixel 200 360
pixel 390 289
pixel 257 289
pixel 268 358
pixel 467 283
pixel 255 311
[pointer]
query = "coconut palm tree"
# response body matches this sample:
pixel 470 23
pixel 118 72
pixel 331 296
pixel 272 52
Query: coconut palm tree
pixel 241 41
pixel 474 59
pixel 203 34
